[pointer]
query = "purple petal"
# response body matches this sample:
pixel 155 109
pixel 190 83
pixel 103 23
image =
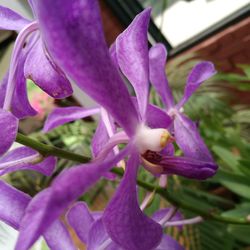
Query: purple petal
pixel 12 204
pixel 9 126
pixel 49 204
pixel 58 238
pixel 132 56
pixel 60 116
pixel 157 73
pixel 157 118
pixel 112 52
pixel 80 219
pixel 20 105
pixel 77 44
pixel 3 86
pixel 47 76
pixel 100 138
pixel 99 239
pixel 187 167
pixel 189 140
pixel 10 20
pixel 123 219
pixel 200 73
pixel 168 243
pixel 22 158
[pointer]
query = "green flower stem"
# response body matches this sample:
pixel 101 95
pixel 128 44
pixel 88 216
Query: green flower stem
pixel 48 150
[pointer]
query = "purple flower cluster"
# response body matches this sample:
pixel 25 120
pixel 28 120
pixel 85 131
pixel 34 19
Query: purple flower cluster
pixel 66 42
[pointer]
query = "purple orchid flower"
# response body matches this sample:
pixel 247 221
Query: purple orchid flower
pixel 185 131
pixel 90 228
pixel 12 206
pixel 30 60
pixel 76 42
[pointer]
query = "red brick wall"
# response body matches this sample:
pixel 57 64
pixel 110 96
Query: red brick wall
pixel 111 25
pixel 227 48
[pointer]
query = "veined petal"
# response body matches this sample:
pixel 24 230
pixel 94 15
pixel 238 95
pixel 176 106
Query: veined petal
pixel 168 243
pixel 112 52
pixel 25 158
pixel 58 237
pixel 60 116
pixel 123 219
pixel 200 73
pixel 49 204
pixel 76 43
pixel 132 56
pixel 20 105
pixel 9 126
pixel 157 73
pixel 99 140
pixel 187 167
pixel 12 207
pixel 157 118
pixel 47 76
pixel 189 140
pixel 10 20
pixel 12 204
pixel 99 239
pixel 81 220
pixel 3 86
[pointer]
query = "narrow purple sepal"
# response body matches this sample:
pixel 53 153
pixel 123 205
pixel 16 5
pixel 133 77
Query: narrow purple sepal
pixel 189 140
pixel 200 73
pixel 76 43
pixel 22 158
pixel 81 220
pixel 10 20
pixel 9 126
pixel 49 204
pixel 60 116
pixel 132 56
pixel 157 73
pixel 47 76
pixel 124 221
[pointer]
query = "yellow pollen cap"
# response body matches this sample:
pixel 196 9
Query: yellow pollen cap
pixel 165 139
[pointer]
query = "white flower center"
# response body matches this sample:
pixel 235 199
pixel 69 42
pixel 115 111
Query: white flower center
pixel 151 139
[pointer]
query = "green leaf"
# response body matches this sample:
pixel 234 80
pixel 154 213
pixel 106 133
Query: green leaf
pixel 238 184
pixel 227 157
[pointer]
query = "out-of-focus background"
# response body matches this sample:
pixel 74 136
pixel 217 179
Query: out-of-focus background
pixel 192 30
